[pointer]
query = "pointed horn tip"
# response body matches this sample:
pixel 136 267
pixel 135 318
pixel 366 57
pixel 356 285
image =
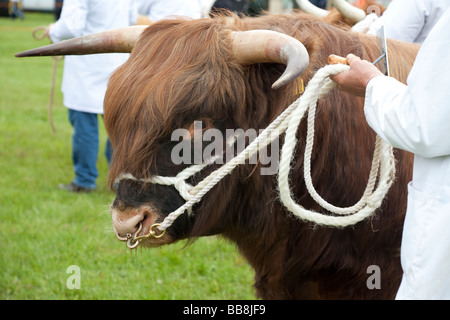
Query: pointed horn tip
pixel 24 54
pixel 31 53
pixel 290 75
pixel 277 84
pixel 111 41
pixel 297 61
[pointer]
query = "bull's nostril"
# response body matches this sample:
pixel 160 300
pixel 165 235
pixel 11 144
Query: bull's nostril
pixel 129 235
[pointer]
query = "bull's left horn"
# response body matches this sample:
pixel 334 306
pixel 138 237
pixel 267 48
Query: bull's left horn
pixel 258 46
pixel 117 40
pixel 349 11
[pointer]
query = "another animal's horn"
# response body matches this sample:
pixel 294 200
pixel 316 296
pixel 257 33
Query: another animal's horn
pixel 258 46
pixel 117 40
pixel 349 11
pixel 308 7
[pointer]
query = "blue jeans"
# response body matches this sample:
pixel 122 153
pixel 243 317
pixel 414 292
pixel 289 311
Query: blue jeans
pixel 15 12
pixel 85 144
pixel 319 3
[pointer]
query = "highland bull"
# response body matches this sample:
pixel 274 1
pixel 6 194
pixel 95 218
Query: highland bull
pixel 220 71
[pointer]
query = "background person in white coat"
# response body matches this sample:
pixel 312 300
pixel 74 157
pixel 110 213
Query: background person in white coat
pixel 410 20
pixel 156 10
pixel 416 118
pixel 85 79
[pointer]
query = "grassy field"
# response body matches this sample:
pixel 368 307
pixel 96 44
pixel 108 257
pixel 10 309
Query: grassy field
pixel 44 230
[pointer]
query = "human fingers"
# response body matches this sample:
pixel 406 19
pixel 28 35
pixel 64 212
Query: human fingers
pixel 351 58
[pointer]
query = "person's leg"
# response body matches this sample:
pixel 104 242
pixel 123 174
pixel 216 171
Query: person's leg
pixel 108 151
pixel 84 148
pixel 16 12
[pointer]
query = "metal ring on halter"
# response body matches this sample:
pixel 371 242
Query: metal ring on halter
pixel 134 241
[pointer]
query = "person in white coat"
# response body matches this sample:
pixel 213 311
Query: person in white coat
pixel 410 20
pixel 156 10
pixel 416 117
pixel 85 79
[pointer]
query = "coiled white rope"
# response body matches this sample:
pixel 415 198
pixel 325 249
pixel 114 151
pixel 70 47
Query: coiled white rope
pixel 289 120
pixel 383 161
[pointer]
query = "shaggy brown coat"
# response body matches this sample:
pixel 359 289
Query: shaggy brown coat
pixel 181 71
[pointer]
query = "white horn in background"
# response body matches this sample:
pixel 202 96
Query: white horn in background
pixel 349 11
pixel 308 7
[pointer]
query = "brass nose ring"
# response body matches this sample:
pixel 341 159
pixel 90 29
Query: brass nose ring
pixel 132 241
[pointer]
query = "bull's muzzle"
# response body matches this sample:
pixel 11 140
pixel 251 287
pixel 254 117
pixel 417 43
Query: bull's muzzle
pixel 136 225
pixel 126 224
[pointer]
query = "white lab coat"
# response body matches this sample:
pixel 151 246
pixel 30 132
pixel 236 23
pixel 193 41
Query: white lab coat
pixel 159 9
pixel 410 20
pixel 417 118
pixel 85 77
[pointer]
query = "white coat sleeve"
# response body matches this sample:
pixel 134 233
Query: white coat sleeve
pixel 161 9
pixel 72 21
pixel 416 117
pixel 404 19
pixel 133 13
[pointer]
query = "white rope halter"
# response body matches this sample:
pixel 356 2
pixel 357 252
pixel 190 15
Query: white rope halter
pixel 289 120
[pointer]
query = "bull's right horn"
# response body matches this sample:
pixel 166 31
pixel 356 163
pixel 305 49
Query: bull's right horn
pixel 258 46
pixel 349 11
pixel 308 7
pixel 118 40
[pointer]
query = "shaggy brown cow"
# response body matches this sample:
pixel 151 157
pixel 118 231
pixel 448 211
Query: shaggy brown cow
pixel 181 71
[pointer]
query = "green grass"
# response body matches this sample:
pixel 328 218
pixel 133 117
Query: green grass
pixel 44 230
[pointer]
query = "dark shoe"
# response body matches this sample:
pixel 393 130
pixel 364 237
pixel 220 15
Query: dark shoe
pixel 72 187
